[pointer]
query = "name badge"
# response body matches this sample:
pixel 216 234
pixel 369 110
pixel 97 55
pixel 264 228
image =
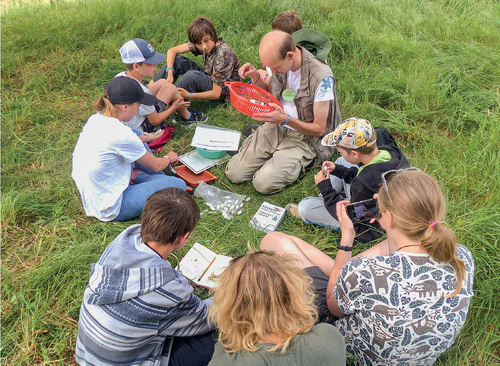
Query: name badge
pixel 289 95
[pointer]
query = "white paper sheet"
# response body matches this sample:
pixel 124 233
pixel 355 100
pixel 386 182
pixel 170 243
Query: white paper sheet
pixel 216 138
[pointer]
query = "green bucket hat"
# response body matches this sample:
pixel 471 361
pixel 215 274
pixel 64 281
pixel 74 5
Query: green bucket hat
pixel 313 41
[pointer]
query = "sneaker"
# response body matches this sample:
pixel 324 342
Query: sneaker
pixel 196 118
pixel 249 129
pixel 293 210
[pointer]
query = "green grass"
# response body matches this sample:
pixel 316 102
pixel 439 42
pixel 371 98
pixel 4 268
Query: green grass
pixel 428 71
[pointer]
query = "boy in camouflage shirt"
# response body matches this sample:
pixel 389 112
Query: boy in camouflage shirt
pixel 221 64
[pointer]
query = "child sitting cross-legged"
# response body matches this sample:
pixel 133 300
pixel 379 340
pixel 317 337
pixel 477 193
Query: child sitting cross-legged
pixel 220 61
pixel 137 309
pixel 140 61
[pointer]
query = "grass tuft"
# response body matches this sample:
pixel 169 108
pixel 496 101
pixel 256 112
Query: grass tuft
pixel 428 71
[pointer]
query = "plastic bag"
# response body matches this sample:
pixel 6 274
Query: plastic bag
pixel 227 203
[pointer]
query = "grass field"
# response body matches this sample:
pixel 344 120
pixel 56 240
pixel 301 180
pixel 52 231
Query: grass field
pixel 426 70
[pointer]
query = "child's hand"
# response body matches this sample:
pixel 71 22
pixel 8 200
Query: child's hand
pixel 184 93
pixel 170 77
pixel 173 157
pixel 180 104
pixel 321 176
pixel 328 166
pixel 147 138
pixel 346 225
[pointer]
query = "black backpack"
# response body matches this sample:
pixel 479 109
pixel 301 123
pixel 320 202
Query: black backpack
pixel 384 137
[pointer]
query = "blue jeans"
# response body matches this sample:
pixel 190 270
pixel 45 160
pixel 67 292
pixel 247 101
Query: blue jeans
pixel 139 165
pixel 135 196
pixel 145 184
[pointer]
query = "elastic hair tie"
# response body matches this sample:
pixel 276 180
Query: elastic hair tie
pixel 434 224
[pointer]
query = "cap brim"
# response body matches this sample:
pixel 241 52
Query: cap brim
pixel 310 38
pixel 328 140
pixel 148 99
pixel 158 58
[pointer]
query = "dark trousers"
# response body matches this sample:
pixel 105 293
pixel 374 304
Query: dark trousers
pixel 194 79
pixel 320 284
pixel 193 351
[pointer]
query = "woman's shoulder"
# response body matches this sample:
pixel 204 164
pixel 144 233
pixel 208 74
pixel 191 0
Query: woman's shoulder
pixel 321 335
pixel 111 126
pixel 103 120
pixel 323 329
pixel 323 342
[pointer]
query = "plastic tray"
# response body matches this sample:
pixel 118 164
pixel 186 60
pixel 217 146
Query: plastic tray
pixel 192 179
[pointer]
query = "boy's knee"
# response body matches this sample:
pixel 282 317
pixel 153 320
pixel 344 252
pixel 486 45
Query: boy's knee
pixel 167 86
pixel 303 208
pixel 162 82
pixel 189 80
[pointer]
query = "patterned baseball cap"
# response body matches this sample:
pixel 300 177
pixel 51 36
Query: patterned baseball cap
pixel 352 133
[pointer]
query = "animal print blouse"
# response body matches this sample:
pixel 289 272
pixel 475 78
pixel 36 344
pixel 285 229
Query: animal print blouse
pixel 396 310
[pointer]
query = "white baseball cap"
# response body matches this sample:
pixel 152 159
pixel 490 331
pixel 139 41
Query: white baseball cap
pixel 138 50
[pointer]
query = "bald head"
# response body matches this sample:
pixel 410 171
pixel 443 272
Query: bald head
pixel 277 51
pixel 277 44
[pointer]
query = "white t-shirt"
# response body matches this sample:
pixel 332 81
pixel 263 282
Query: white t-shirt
pixel 102 164
pixel 144 110
pixel 323 93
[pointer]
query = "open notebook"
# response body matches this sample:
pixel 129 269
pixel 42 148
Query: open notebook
pixel 200 264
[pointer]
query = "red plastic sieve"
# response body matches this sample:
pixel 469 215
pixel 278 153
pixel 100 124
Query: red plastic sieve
pixel 250 99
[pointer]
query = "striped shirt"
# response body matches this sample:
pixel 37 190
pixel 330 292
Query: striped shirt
pixel 134 304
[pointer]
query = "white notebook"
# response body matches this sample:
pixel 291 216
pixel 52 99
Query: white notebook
pixel 200 264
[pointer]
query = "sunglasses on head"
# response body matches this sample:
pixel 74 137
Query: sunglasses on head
pixel 388 175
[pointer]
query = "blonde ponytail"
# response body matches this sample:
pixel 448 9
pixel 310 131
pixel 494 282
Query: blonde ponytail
pixel 440 243
pixel 104 105
pixel 418 208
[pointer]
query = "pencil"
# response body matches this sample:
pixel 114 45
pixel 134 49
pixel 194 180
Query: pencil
pixel 206 269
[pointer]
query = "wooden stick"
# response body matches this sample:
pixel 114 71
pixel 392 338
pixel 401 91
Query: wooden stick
pixel 206 269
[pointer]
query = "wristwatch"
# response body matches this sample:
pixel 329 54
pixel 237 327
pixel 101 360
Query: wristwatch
pixel 345 249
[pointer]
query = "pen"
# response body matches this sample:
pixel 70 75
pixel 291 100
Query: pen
pixel 206 269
